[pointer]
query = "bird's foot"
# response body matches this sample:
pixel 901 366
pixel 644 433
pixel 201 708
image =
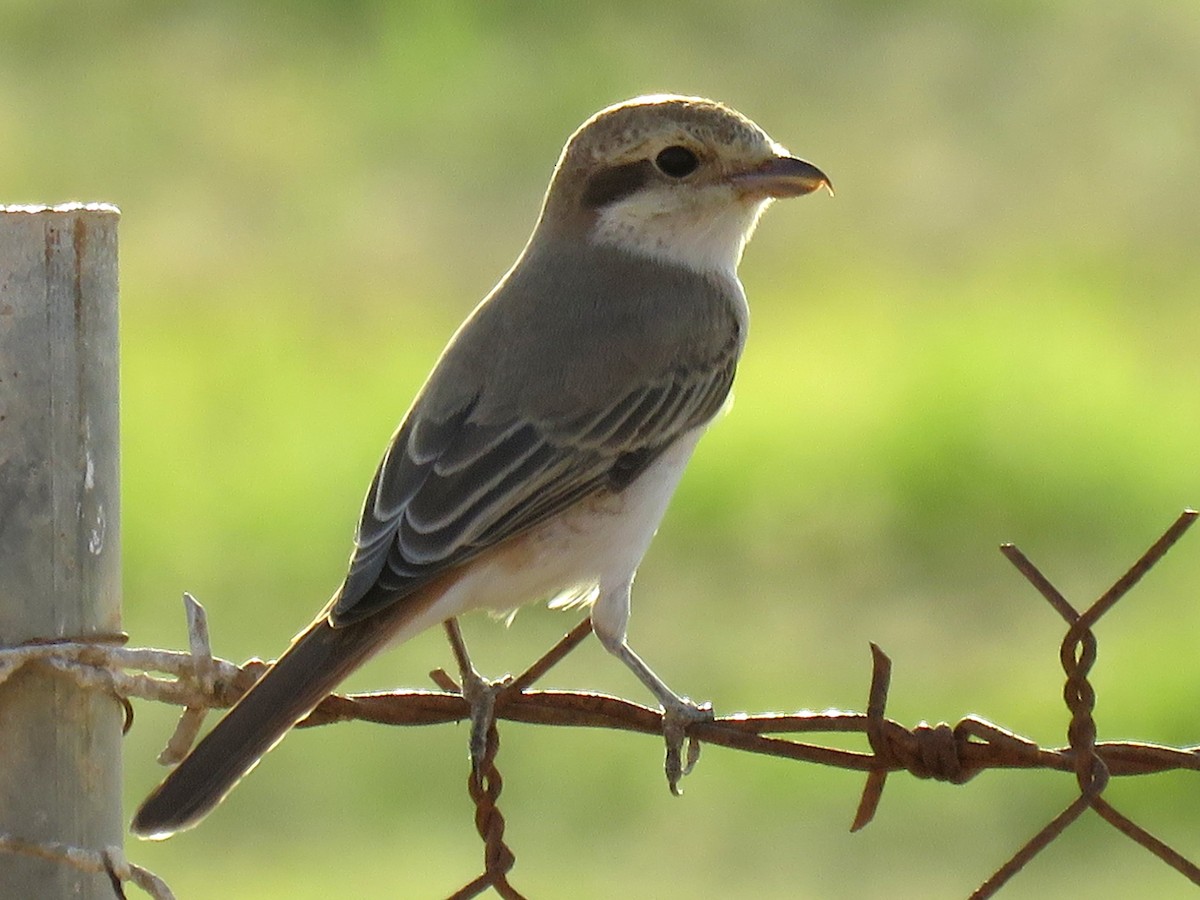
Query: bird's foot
pixel 481 694
pixel 679 713
pixel 678 717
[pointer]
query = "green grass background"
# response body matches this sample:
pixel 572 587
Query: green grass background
pixel 990 334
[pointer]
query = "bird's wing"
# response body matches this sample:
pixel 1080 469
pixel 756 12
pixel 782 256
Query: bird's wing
pixel 450 487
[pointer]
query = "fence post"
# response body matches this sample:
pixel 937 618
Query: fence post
pixel 60 763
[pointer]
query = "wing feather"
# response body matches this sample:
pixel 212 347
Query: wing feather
pixel 450 488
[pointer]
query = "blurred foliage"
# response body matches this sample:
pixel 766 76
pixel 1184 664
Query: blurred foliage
pixel 989 335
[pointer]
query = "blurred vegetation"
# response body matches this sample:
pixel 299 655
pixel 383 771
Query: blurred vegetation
pixel 989 335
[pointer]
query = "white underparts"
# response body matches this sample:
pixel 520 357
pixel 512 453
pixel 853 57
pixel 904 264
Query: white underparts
pixel 587 554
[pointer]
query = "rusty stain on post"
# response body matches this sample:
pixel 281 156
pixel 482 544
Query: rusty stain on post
pixel 59 536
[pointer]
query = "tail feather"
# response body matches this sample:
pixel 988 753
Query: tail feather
pixel 318 660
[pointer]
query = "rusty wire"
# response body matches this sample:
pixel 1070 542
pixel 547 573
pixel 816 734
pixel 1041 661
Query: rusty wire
pixel 948 753
pixel 1077 655
pixel 952 753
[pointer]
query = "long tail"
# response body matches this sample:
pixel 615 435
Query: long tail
pixel 317 661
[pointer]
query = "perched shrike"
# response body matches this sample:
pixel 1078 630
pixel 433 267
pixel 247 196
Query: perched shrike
pixel 538 458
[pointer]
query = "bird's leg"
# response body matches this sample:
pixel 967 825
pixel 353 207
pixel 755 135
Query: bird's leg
pixel 678 712
pixel 479 692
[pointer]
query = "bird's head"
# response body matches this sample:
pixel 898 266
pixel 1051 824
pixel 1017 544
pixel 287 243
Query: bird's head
pixel 678 179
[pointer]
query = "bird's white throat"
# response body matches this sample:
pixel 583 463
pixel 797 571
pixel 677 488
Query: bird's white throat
pixel 705 230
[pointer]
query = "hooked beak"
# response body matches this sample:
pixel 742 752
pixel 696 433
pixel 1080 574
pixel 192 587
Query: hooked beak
pixel 783 176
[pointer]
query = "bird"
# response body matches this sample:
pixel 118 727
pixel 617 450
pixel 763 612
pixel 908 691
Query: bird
pixel 539 457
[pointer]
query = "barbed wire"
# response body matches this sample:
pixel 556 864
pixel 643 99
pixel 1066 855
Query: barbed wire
pixel 952 753
pixel 110 861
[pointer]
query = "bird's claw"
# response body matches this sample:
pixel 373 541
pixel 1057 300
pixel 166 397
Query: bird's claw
pixel 677 719
pixel 481 694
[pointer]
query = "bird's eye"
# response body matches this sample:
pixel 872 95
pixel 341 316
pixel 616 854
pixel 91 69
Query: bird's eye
pixel 676 161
